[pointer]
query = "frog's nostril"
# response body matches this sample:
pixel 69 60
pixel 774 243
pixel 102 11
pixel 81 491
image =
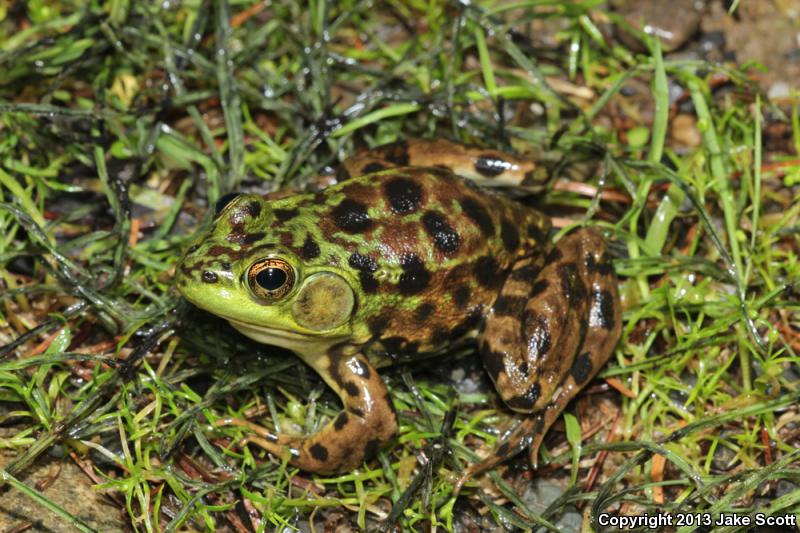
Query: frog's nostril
pixel 193 248
pixel 209 277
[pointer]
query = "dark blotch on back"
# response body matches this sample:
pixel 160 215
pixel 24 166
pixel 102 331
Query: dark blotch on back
pixel 377 324
pixel 319 452
pixel 444 236
pixel 351 388
pixel 351 216
pixel 478 214
pixel 310 248
pixel 404 195
pixel 509 235
pixel 581 368
pixel 415 277
pixel 461 296
pixel 486 271
pixel 365 266
pixel 362 262
pixel 423 312
pixel 284 215
pixel 368 283
pixel 490 166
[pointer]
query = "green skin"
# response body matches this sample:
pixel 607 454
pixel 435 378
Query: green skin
pixel 405 261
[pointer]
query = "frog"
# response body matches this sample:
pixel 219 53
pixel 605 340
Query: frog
pixel 413 250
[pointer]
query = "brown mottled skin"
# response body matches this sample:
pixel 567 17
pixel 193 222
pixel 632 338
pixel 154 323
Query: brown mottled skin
pixel 408 259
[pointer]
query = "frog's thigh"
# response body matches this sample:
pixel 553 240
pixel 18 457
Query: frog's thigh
pixel 531 338
pixel 367 421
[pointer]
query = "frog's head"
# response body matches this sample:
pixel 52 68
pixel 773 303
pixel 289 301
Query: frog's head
pixel 246 270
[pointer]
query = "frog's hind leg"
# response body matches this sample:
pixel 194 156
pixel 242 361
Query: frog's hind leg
pixel 367 421
pixel 486 167
pixel 603 329
pixel 548 336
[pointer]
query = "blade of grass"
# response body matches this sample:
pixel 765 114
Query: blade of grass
pixel 754 221
pixel 485 61
pixel 229 95
pixel 393 110
pixel 659 227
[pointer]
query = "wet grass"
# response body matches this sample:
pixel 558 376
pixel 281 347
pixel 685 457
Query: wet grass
pixel 120 123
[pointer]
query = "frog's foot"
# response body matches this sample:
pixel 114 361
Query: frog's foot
pixel 518 438
pixel 367 421
pixel 548 336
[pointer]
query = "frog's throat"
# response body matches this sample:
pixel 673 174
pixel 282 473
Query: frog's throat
pixel 297 342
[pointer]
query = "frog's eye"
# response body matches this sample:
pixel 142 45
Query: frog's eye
pixel 270 279
pixel 223 202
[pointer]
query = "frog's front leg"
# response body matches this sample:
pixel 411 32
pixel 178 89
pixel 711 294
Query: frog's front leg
pixel 367 421
pixel 547 337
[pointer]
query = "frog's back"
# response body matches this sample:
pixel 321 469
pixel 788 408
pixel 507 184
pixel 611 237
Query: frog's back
pixel 429 250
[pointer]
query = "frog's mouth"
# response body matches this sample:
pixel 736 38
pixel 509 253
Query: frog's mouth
pixel 261 333
pixel 291 340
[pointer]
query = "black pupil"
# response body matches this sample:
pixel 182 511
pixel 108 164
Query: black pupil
pixel 271 278
pixel 224 201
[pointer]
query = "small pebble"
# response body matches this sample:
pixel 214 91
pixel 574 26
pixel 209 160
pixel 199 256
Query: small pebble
pixel 684 131
pixel 779 89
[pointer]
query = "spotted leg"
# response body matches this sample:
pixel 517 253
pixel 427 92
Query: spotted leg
pixel 546 338
pixel 367 421
pixel 486 167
